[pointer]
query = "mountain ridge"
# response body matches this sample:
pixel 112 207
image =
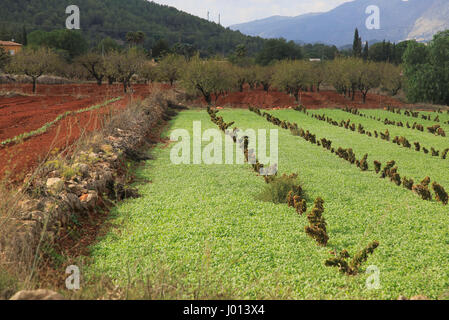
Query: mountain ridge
pixel 114 18
pixel 399 20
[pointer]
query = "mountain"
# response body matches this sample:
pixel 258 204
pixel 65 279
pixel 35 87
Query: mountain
pixel 114 18
pixel 399 20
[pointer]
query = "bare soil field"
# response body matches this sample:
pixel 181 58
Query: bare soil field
pixel 25 113
pixel 312 100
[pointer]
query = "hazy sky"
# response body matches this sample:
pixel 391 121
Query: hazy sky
pixel 238 11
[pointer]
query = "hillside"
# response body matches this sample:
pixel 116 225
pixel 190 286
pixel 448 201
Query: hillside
pixel 114 18
pixel 400 20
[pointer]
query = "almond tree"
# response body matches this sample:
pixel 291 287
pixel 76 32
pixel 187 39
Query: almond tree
pixel 264 76
pixel 319 73
pixel 122 66
pixel 369 77
pixel 209 78
pixel 353 66
pixel 292 77
pixel 94 64
pixel 338 76
pixel 149 72
pixel 391 78
pixel 34 63
pixel 170 68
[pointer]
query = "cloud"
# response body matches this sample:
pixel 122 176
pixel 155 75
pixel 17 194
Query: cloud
pixel 238 11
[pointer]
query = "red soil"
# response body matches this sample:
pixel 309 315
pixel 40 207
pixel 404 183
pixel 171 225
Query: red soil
pixel 312 100
pixel 27 113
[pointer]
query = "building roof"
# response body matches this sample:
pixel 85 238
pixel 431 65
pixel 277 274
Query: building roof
pixel 9 43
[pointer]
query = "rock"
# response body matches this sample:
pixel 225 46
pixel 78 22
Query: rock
pixel 40 294
pixel 55 185
pixel 75 189
pixel 107 148
pixel 419 298
pixel 72 201
pixel 93 156
pixel 90 199
pixel 82 168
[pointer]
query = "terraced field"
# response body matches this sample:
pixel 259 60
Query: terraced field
pixel 203 231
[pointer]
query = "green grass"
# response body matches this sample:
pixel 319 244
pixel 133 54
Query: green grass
pixel 203 228
pixel 382 114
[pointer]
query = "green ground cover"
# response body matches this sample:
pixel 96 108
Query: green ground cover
pixel 200 230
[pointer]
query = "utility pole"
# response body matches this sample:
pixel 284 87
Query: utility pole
pixel 207 15
pixel 219 18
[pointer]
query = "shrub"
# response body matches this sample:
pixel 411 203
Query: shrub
pixel 364 163
pixel 281 189
pixel 387 169
pixel 435 153
pixel 422 191
pixel 353 267
pixel 426 181
pixel 417 146
pixel 440 194
pixel 407 183
pixel 396 178
pixel 317 228
pixel 377 166
pixel 300 206
pixel 444 155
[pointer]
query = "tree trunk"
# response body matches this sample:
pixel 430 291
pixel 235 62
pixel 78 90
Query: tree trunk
pixel 296 94
pixel 124 86
pixel 99 81
pixel 34 85
pixel 208 99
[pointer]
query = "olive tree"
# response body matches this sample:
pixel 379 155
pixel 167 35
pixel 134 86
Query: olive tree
pixel 123 65
pixel 209 78
pixel 34 63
